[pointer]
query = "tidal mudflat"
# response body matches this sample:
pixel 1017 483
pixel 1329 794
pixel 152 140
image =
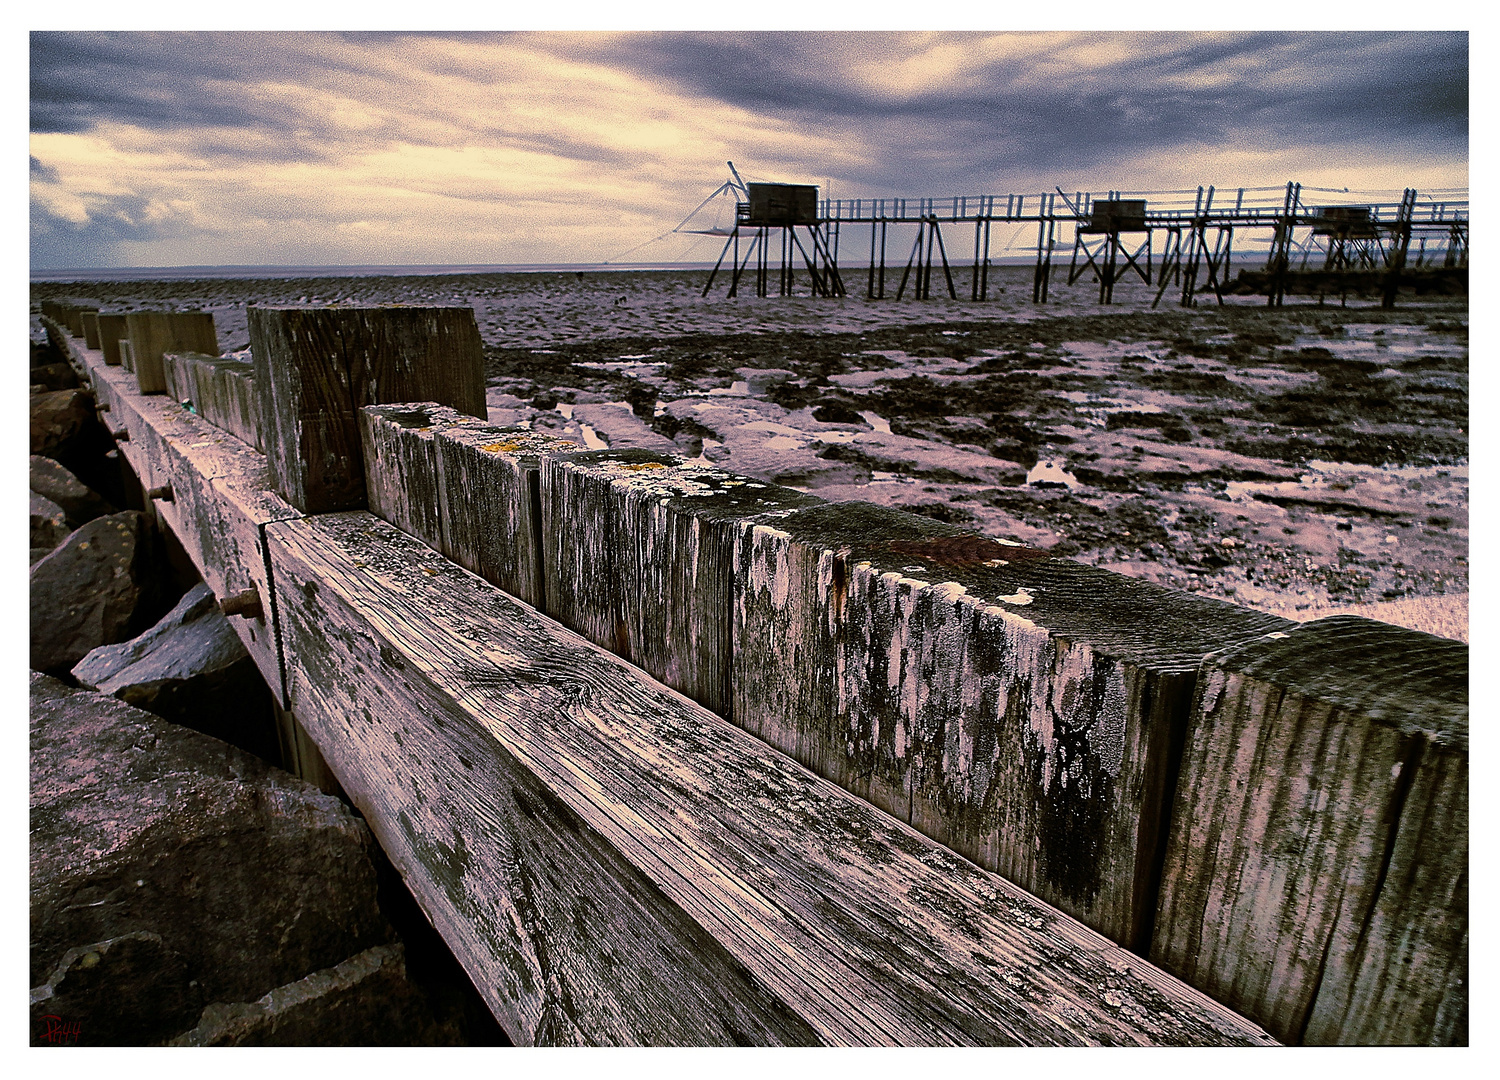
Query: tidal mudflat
pixel 1294 460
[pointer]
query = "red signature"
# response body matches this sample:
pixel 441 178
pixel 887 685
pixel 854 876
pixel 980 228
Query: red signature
pixel 59 1031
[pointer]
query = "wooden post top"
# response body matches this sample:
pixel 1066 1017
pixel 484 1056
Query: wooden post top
pixel 1399 678
pixel 524 446
pixel 1131 619
pixel 694 487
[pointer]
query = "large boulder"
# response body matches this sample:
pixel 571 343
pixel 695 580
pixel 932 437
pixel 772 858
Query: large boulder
pixel 54 377
pixel 170 867
pixel 80 502
pixel 367 1000
pixel 61 421
pixel 102 585
pixel 190 668
pixel 49 526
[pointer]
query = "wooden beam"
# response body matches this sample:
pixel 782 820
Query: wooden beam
pixel 219 389
pixel 465 487
pixel 221 499
pixel 1317 873
pixel 1025 710
pixel 112 327
pixel 153 333
pixel 316 367
pixel 614 864
pixel 638 553
pixel 90 321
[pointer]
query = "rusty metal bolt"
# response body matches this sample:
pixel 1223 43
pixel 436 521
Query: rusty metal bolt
pixel 246 604
pixel 164 493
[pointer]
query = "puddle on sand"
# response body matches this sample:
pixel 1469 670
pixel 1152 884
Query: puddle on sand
pixel 1050 473
pixel 591 438
pixel 876 421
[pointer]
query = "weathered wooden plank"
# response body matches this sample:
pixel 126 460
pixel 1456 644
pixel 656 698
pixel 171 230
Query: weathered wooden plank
pixel 72 311
pixel 1317 872
pixel 638 552
pixel 315 368
pixel 127 358
pixel 220 389
pixel 220 499
pixel 90 320
pixel 153 333
pixel 614 864
pixel 465 487
pixel 1024 710
pixel 112 327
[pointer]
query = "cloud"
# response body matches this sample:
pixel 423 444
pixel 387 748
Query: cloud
pixel 257 147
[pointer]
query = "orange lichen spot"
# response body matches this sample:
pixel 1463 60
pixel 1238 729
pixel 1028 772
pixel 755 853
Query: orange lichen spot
pixel 643 465
pixel 504 447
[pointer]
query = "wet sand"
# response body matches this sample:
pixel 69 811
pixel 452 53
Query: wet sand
pixel 1293 460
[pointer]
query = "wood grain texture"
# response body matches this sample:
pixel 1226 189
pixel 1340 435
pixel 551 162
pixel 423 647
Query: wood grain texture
pixel 315 368
pixel 614 864
pixel 72 312
pixel 463 486
pixel 638 552
pixel 1317 872
pixel 90 320
pixel 218 388
pixel 112 327
pixel 153 333
pixel 221 498
pixel 1024 710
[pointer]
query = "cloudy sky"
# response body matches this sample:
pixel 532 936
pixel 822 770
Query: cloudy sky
pixel 335 149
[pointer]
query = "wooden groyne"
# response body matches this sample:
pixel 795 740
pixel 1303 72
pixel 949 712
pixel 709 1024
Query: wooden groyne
pixel 670 755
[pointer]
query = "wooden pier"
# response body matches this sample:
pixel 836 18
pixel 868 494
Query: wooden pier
pixel 1182 240
pixel 673 756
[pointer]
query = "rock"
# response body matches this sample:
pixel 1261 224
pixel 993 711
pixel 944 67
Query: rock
pixel 49 526
pixel 54 377
pixel 190 668
pixel 60 421
pixel 365 1001
pixel 98 588
pixel 44 353
pixel 79 501
pixel 251 877
pixel 131 990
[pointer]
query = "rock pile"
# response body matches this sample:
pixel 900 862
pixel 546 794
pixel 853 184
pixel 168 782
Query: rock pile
pixel 184 890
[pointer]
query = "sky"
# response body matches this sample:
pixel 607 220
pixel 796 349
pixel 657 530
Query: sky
pixel 303 148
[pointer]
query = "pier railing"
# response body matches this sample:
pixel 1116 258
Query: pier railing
pixel 673 755
pixel 1193 232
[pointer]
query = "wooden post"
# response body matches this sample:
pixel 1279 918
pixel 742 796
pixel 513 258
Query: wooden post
pixel 316 367
pixel 72 311
pixel 464 487
pixel 219 389
pixel 638 550
pixel 112 327
pixel 1024 710
pixel 1316 878
pixel 127 358
pixel 153 333
pixel 613 864
pixel 91 329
